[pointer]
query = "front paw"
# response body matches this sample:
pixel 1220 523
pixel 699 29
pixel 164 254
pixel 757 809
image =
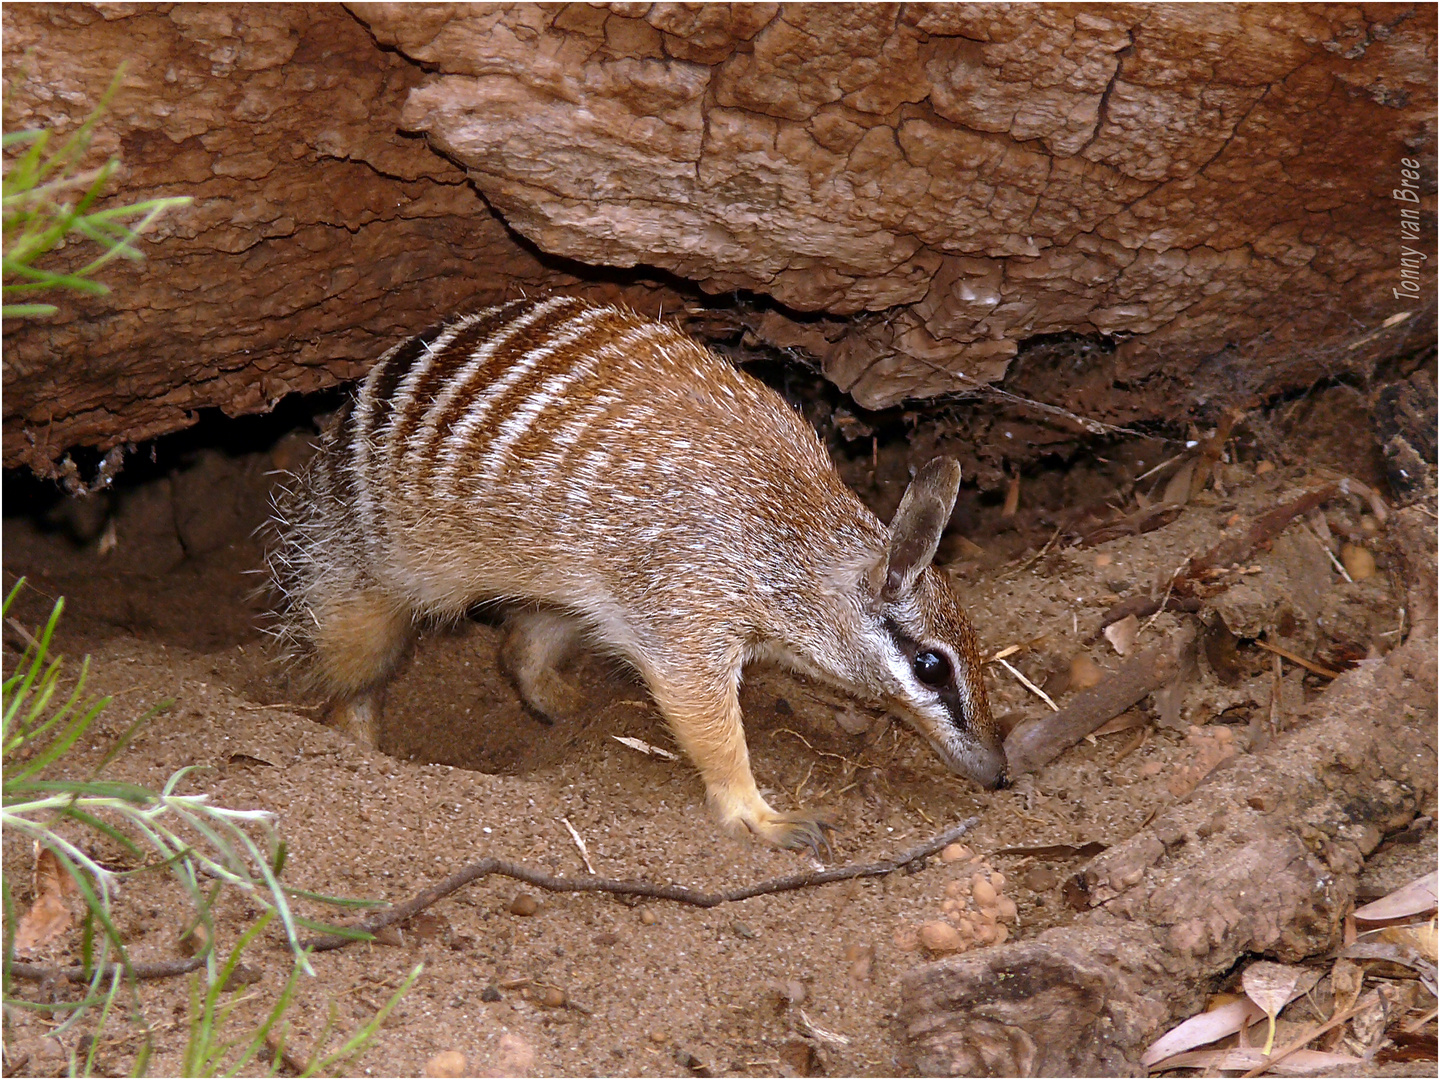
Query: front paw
pixel 801 830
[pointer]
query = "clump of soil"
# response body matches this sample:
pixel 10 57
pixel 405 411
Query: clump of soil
pixel 159 593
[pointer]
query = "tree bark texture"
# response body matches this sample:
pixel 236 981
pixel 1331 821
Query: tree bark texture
pixel 915 191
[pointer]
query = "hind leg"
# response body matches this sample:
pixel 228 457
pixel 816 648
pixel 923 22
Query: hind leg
pixel 536 643
pixel 360 640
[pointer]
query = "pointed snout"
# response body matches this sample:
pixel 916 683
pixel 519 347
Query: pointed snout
pixel 983 762
pixel 989 768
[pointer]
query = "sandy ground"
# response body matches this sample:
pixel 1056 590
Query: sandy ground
pixel 803 983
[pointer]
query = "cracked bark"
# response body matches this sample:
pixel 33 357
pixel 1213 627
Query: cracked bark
pixel 919 163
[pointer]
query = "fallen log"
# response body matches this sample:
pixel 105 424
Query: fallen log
pixel 1261 858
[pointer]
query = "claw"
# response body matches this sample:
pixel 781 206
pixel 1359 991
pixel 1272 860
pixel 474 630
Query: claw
pixel 802 829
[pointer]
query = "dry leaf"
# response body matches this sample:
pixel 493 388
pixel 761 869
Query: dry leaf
pixel 1420 937
pixel 1202 1028
pixel 1273 986
pixel 1347 979
pixel 1412 899
pixel 1122 633
pixel 1177 490
pixel 49 916
pixel 645 747
pixel 1300 1063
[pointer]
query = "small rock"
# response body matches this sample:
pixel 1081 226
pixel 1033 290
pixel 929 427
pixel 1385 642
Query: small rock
pixel 242 975
pixel 954 853
pixel 792 990
pixel 648 917
pixel 692 1062
pixel 983 891
pixel 1263 467
pixel 1084 672
pixel 607 939
pixel 1151 768
pixel 861 959
pixel 1358 562
pixel 389 935
pixel 940 937
pixel 744 931
pixel 1040 879
pixel 447 1063
pixel 1369 525
pixel 490 993
pixel 1103 560
pixel 658 1037
pixel 513 1057
pixel 196 940
pixel 552 997
pixel 524 905
pixel 1008 911
pixel 427 926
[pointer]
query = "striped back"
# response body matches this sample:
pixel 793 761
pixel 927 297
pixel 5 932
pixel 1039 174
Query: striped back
pixel 550 423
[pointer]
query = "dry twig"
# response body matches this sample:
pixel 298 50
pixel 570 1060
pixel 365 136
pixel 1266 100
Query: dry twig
pixel 160 969
pixel 678 893
pixel 1295 658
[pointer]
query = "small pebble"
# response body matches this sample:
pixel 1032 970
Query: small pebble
pixel 954 853
pixel 490 993
pixel 196 940
pixel 648 917
pixel 983 891
pixel 524 904
pixel 553 997
pixel 447 1063
pixel 1040 879
pixel 1103 560
pixel 513 1057
pixel 793 991
pixel 427 926
pixel 607 939
pixel 997 879
pixel 743 931
pixel 861 959
pixel 1358 562
pixel 1263 467
pixel 657 1037
pixel 389 935
pixel 1151 768
pixel 940 937
pixel 1084 672
pixel 1369 525
pixel 1008 911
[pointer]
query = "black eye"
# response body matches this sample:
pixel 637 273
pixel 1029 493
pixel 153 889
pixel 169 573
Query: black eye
pixel 932 669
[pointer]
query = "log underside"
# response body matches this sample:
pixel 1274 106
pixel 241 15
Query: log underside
pixel 910 197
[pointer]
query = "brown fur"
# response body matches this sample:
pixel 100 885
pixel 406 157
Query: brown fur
pixel 621 482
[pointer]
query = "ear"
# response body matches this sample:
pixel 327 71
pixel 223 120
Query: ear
pixel 921 518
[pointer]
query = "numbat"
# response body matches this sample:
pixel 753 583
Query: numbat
pixel 611 481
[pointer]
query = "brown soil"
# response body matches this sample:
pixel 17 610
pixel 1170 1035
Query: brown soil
pixel 802 983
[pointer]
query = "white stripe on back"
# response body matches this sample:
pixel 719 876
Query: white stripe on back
pixel 451 451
